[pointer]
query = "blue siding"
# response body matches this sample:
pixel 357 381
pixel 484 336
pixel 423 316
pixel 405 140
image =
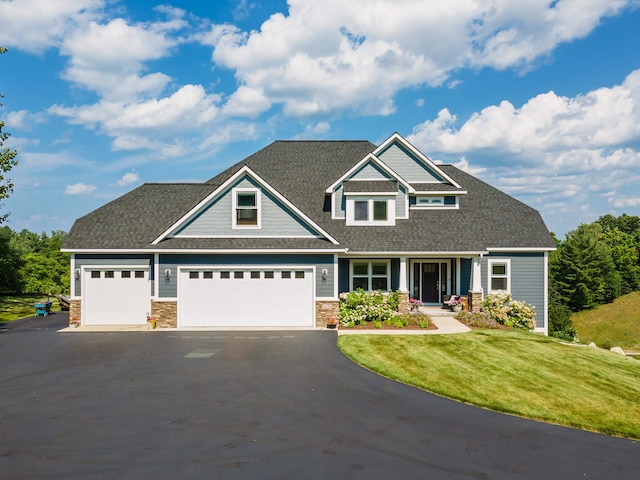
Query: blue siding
pixel 465 275
pixel 324 288
pixel 114 260
pixel 405 164
pixel 527 279
pixel 217 218
pixel 343 275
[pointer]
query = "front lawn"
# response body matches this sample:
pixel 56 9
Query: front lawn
pixel 513 372
pixel 21 306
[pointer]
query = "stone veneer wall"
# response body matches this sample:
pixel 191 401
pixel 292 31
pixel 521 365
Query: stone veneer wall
pixel 74 310
pixel 165 314
pixel 475 301
pixel 326 309
pixel 404 305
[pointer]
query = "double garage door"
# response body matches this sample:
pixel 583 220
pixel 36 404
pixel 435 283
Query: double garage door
pixel 116 296
pixel 246 297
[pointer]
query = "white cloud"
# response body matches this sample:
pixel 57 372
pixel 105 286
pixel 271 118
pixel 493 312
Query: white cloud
pixel 128 179
pixel 579 151
pixel 79 189
pixel 330 56
pixel 23 119
pixel 36 25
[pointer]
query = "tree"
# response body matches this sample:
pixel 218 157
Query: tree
pixel 7 161
pixel 10 263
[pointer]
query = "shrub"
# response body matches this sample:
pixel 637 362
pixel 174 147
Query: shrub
pixel 477 319
pixel 359 307
pixel 512 313
pixel 560 323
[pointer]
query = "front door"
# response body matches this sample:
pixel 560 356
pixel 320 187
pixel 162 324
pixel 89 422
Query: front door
pixel 430 282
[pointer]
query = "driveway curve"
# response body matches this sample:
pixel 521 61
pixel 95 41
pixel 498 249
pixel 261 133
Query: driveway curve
pixel 255 404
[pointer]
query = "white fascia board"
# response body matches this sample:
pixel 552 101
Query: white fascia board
pixel 370 194
pixel 396 137
pixel 414 254
pixel 440 192
pixel 245 170
pixel 520 249
pixel 209 250
pixel 371 158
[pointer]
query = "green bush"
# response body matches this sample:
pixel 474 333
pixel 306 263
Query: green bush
pixel 512 313
pixel 560 323
pixel 359 307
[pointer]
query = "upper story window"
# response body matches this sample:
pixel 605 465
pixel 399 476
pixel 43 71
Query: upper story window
pixel 499 275
pixel 246 208
pixel 434 201
pixel 370 211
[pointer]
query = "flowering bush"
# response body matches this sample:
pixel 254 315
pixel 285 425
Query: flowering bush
pixel 513 313
pixel 415 304
pixel 477 319
pixel 359 307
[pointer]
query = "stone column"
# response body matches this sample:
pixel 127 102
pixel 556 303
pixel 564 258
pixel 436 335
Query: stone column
pixel 476 292
pixel 165 314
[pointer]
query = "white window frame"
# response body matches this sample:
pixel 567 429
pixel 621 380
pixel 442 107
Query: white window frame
pixel 351 208
pixel 370 275
pixel 426 202
pixel 234 217
pixel 491 276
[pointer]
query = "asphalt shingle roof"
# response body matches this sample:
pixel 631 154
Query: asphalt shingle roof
pixel 301 171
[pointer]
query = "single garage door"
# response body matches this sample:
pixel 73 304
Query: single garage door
pixel 116 296
pixel 246 297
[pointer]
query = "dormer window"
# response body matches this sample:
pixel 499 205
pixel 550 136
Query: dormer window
pixel 246 207
pixel 362 210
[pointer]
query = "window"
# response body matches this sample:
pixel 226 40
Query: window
pixel 370 275
pixel 499 275
pixel 208 274
pixel 225 274
pixel 125 274
pixel 238 274
pixel 370 211
pixel 109 274
pixel 285 274
pixel 95 274
pixel 299 274
pixel 194 274
pixel 268 274
pixel 255 274
pixel 139 274
pixel 246 208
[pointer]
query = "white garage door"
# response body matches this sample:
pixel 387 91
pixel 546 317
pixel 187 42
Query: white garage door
pixel 116 296
pixel 247 297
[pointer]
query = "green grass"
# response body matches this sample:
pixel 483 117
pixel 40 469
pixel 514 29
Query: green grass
pixel 615 324
pixel 21 306
pixel 522 374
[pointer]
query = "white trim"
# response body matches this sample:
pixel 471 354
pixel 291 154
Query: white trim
pixel 370 275
pixel 370 194
pixel 490 263
pixel 435 207
pixel 211 250
pixel 521 249
pixel 439 192
pixel 335 276
pixel 396 137
pixel 72 277
pixel 156 275
pixel 405 253
pixel 244 171
pixel 234 208
pixel 391 212
pixel 545 300
pixel 369 158
pixel 251 236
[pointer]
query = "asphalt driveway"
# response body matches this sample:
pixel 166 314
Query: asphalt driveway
pixel 264 404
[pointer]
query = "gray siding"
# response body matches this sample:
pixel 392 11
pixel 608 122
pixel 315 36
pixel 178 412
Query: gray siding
pixel 324 288
pixel 112 260
pixel 340 203
pixel 217 218
pixel 527 279
pixel 369 172
pixel 406 165
pixel 401 202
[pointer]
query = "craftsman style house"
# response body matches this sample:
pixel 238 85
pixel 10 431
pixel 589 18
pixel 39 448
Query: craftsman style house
pixel 274 240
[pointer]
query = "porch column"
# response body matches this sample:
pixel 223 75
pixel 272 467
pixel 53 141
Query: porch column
pixel 476 292
pixel 403 275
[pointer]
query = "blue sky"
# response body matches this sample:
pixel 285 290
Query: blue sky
pixel 538 98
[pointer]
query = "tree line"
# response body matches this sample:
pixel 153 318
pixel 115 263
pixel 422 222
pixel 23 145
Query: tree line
pixel 32 263
pixel 595 264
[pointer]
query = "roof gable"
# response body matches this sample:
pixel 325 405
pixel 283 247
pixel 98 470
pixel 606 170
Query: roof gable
pixel 213 216
pixel 370 168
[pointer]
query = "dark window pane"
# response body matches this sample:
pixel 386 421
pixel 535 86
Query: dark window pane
pixel 247 217
pixel 238 274
pixel 286 274
pixel 255 274
pixel 380 210
pixel 194 274
pixel 499 269
pixel 379 268
pixel 139 274
pixel 299 274
pixel 95 274
pixel 109 274
pixel 246 199
pixel 268 274
pixel 379 283
pixel 361 210
pixel 361 269
pixel 225 274
pixel 498 284
pixel 125 274
pixel 207 274
pixel 359 282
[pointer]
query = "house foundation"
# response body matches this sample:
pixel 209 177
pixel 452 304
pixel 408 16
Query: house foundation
pixel 165 314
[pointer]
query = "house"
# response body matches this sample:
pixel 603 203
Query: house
pixel 274 239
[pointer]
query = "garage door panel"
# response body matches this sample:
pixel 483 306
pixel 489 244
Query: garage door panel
pixel 262 297
pixel 116 296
